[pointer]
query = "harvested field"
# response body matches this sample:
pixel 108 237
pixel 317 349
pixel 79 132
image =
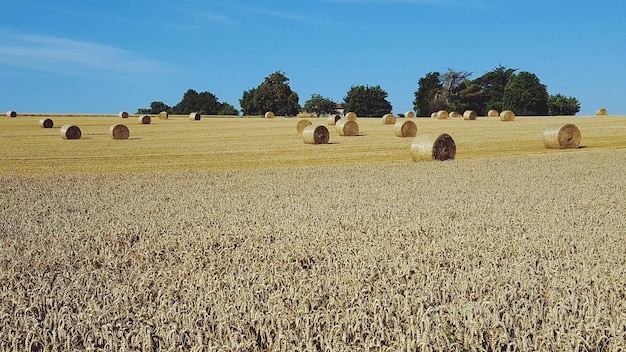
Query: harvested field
pixel 230 253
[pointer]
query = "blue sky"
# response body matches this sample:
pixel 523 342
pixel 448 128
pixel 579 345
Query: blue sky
pixel 78 56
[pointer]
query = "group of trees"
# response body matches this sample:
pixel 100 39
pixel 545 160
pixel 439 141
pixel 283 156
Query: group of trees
pixel 499 89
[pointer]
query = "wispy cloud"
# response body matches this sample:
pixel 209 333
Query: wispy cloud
pixel 287 16
pixel 474 4
pixel 68 56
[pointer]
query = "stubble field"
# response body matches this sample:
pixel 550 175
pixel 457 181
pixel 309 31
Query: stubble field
pixel 232 234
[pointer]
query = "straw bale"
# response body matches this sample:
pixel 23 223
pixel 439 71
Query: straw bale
pixel 332 119
pixel 144 120
pixel 409 114
pixel 469 115
pixel 561 137
pixel 119 132
pixel 350 116
pixel 433 115
pixel 507 115
pixel 123 114
pixel 315 134
pixel 11 113
pixel 347 127
pixel 442 114
pixel 302 125
pixel 194 116
pixel 389 119
pixel 163 115
pixel 602 112
pixel 406 128
pixel 46 123
pixel 269 115
pixel 493 113
pixel 455 114
pixel 70 132
pixel 432 146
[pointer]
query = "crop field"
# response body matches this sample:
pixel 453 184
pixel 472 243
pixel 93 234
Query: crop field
pixel 231 234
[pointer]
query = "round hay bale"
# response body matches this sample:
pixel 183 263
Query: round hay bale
pixel 46 123
pixel 70 132
pixel 163 115
pixel 433 115
pixel 144 120
pixel 602 112
pixel 350 116
pixel 123 114
pixel 427 147
pixel 406 128
pixel 455 114
pixel 119 132
pixel 389 119
pixel 469 115
pixel 302 125
pixel 409 114
pixel 347 127
pixel 561 137
pixel 315 134
pixel 269 115
pixel 493 113
pixel 332 119
pixel 507 115
pixel 194 116
pixel 442 115
pixel 11 113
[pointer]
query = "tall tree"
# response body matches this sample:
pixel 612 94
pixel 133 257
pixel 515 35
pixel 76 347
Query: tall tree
pixel 525 95
pixel 492 86
pixel 428 86
pixel 367 101
pixel 560 105
pixel 274 95
pixel 319 105
pixel 451 83
pixel 249 104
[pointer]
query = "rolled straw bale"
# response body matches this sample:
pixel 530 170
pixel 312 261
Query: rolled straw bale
pixel 163 115
pixel 350 116
pixel 409 114
pixel 433 115
pixel 406 128
pixel 389 119
pixel 123 114
pixel 332 119
pixel 347 127
pixel 119 132
pixel 46 123
pixel 507 115
pixel 315 134
pixel 429 146
pixel 302 125
pixel 561 137
pixel 469 115
pixel 11 113
pixel 194 116
pixel 144 120
pixel 493 113
pixel 602 112
pixel 70 132
pixel 455 114
pixel 442 114
pixel 269 115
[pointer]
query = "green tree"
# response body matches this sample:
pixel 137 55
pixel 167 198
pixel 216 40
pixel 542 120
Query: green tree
pixel 525 95
pixel 367 101
pixel 452 83
pixel 560 105
pixel 202 103
pixel 155 108
pixel 492 86
pixel 227 109
pixel 319 105
pixel 274 95
pixel 428 86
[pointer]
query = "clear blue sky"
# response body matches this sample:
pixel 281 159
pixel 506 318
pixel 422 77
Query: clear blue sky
pixel 78 56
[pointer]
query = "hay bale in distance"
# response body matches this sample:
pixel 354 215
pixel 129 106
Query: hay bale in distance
pixel 433 115
pixel 123 114
pixel 347 127
pixel 442 115
pixel 332 119
pixel 144 120
pixel 455 114
pixel 11 113
pixel 119 132
pixel 46 123
pixel 429 146
pixel 409 114
pixel 350 116
pixel 315 134
pixel 406 128
pixel 269 115
pixel 70 132
pixel 507 115
pixel 602 112
pixel 469 115
pixel 163 115
pixel 194 116
pixel 561 137
pixel 493 113
pixel 302 125
pixel 389 119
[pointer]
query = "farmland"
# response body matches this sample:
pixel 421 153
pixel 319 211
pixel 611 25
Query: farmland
pixel 232 234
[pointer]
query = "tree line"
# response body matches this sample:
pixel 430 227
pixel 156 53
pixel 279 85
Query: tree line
pixel 499 89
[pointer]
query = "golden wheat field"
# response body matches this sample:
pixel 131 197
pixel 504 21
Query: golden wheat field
pixel 231 234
